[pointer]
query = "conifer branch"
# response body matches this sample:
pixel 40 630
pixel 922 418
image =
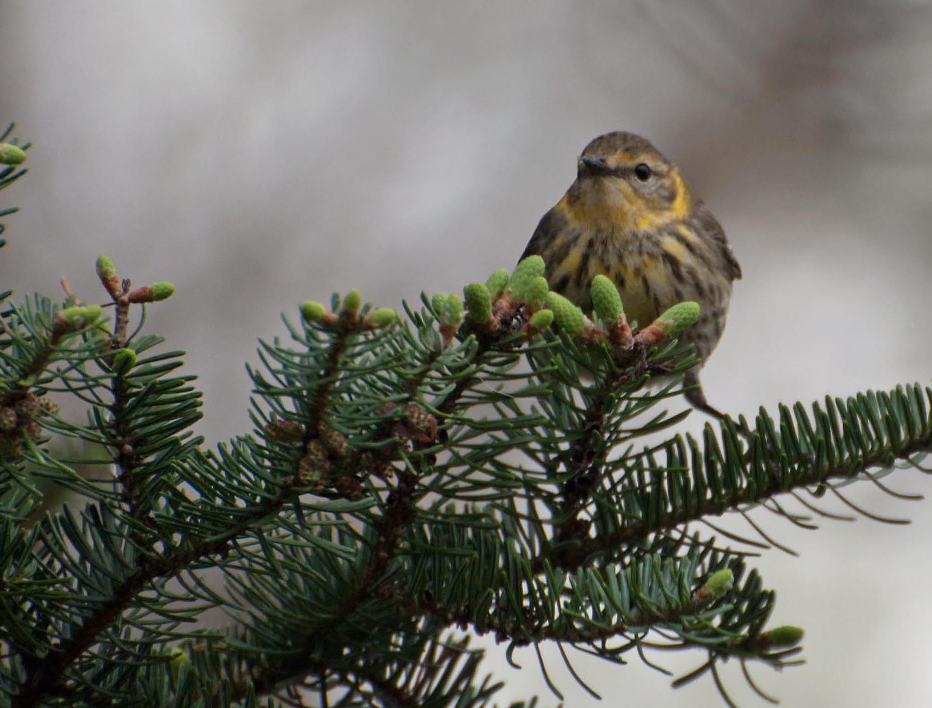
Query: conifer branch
pixel 399 510
pixel 806 475
pixel 44 677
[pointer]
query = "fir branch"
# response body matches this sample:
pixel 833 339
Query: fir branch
pixel 749 488
pixel 399 510
pixel 583 464
pixel 126 459
pixel 46 676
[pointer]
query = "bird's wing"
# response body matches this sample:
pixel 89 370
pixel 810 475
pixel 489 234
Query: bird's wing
pixel 714 230
pixel 549 226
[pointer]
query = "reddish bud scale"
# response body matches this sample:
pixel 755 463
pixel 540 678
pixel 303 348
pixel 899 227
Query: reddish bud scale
pixel 620 334
pixel 504 309
pixel 447 332
pixel 143 294
pixel 591 333
pixel 151 293
pixel 652 335
pixel 112 285
pixel 328 319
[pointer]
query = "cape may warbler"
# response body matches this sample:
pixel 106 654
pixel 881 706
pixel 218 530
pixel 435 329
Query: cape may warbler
pixel 630 216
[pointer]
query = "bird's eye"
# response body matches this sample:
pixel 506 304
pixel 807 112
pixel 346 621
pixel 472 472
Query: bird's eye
pixel 642 171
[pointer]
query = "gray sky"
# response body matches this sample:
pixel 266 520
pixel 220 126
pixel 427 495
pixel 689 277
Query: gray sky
pixel 262 154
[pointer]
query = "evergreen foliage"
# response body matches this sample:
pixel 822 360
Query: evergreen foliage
pixel 499 466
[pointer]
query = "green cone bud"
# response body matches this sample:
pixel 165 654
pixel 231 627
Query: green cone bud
pixel 11 154
pixel 382 316
pixel 525 272
pixel 720 582
pixel 313 311
pixel 478 302
pixel 784 636
pixel 79 316
pixel 105 268
pixel 541 320
pixel 569 318
pixel 535 294
pixel 438 304
pixel 530 267
pixel 678 318
pixel 123 360
pixel 178 659
pixel 449 309
pixel 162 290
pixel 606 302
pixel 497 283
pixel 353 301
pixel 107 274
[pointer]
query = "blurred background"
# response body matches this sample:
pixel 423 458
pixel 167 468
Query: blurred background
pixel 262 154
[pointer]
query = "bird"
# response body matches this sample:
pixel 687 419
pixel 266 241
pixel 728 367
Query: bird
pixel 630 215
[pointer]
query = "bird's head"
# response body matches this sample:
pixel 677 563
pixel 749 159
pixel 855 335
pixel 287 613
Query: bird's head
pixel 622 178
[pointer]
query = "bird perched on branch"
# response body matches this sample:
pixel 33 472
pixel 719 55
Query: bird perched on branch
pixel 630 216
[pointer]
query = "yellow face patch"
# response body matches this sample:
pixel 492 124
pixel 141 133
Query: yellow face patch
pixel 683 202
pixel 613 202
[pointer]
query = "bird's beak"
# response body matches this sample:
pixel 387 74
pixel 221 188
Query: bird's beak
pixel 592 166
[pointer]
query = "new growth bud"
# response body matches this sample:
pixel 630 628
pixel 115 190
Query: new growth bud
pixel 152 293
pixel 670 324
pixel 541 320
pixel 478 303
pixel 123 360
pixel 606 302
pixel 77 317
pixel 535 294
pixel 11 154
pixel 522 279
pixel 679 318
pixel 568 317
pixel 382 317
pixel 107 273
pixel 782 636
pixel 313 311
pixel 497 283
pixel 352 302
pixel 105 268
pixel 162 290
pixel 178 659
pixel 720 583
pixel 448 308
